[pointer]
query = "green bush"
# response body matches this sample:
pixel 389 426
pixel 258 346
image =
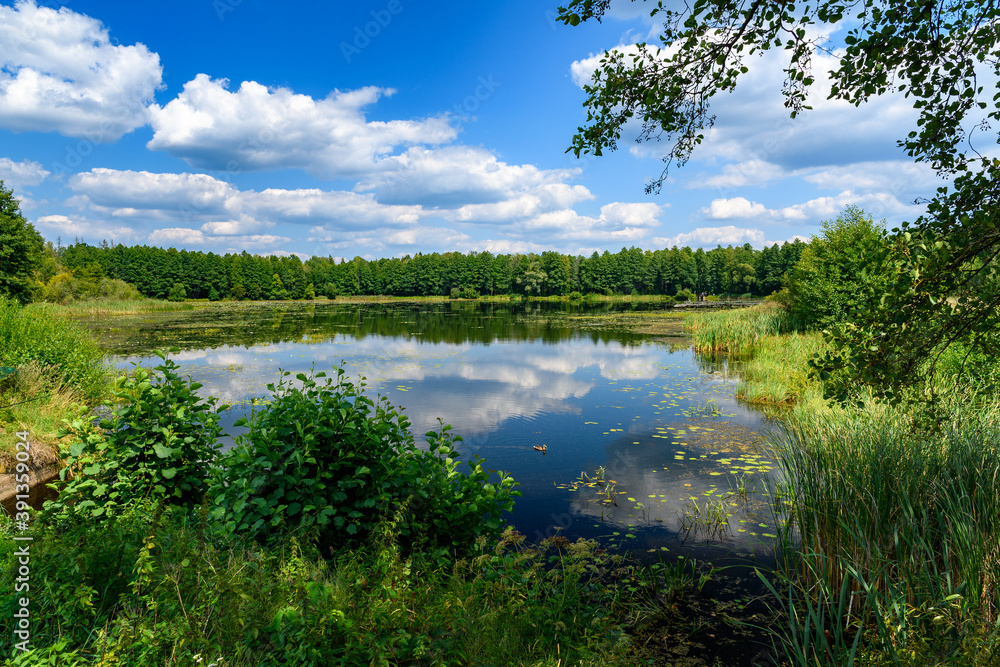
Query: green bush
pixel 463 293
pixel 177 293
pixel 324 458
pixel 84 285
pixel 67 352
pixel 685 295
pixel 159 443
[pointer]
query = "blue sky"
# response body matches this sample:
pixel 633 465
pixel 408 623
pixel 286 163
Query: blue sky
pixel 399 126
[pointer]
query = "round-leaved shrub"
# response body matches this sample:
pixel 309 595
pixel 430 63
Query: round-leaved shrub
pixel 326 459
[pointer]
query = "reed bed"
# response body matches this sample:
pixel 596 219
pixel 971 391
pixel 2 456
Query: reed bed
pixel 112 307
pixel 892 538
pixel 772 361
pixel 737 332
pixel 777 374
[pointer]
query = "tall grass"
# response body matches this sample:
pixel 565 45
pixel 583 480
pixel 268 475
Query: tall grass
pixel 893 537
pixel 739 331
pixel 179 592
pixel 771 360
pixel 66 352
pixel 777 373
pixel 58 366
pixel 111 307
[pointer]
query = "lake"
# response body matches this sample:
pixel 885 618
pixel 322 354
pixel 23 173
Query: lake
pixel 646 447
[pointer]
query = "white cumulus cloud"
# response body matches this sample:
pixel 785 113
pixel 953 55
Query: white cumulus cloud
pixel 256 127
pixel 222 209
pixel 60 71
pixel 811 212
pixel 16 175
pixel 709 237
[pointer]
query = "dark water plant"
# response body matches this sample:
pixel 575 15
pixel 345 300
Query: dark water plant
pixel 325 459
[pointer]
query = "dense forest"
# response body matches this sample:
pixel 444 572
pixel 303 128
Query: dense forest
pixel 160 273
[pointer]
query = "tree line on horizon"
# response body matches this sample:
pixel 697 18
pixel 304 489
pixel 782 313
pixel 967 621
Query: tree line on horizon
pixel 170 273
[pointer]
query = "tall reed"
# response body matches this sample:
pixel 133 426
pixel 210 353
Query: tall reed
pixel 737 331
pixel 778 372
pixel 892 535
pixel 112 307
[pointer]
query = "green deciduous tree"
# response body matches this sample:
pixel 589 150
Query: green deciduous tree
pixel 840 272
pixel 20 249
pixel 744 277
pixel 930 51
pixel 177 293
pixel 533 279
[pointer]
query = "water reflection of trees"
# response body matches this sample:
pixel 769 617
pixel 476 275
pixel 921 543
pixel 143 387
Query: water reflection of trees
pixel 451 322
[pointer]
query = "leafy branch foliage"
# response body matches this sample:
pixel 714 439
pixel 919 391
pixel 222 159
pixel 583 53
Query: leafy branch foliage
pixel 945 287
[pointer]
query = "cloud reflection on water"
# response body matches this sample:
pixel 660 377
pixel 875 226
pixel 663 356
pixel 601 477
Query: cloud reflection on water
pixel 470 386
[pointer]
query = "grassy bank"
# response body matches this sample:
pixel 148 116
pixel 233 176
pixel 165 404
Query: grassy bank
pixel 771 361
pixel 165 588
pixel 53 365
pixel 891 520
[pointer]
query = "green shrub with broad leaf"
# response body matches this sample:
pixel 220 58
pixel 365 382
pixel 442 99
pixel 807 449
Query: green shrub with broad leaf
pixel 327 460
pixel 158 442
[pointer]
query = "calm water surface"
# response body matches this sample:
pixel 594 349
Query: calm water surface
pixel 644 441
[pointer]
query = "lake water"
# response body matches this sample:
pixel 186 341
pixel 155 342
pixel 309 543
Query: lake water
pixel 646 446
